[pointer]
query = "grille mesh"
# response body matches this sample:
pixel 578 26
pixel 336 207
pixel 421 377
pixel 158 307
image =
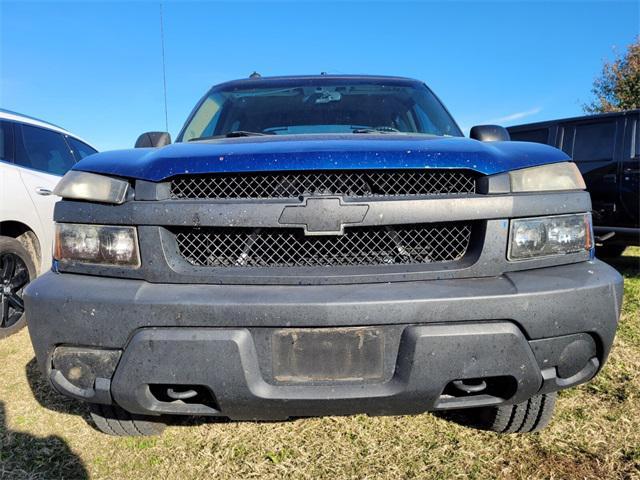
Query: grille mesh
pixel 295 184
pixel 281 247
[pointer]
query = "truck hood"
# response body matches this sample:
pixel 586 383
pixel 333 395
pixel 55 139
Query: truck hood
pixel 320 152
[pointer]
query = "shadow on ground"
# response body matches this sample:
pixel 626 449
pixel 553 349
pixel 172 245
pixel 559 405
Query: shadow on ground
pixel 25 456
pixel 46 396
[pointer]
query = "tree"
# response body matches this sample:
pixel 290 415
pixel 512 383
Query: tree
pixel 618 87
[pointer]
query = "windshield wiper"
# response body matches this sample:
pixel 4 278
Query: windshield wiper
pixel 376 130
pixel 232 134
pixel 244 133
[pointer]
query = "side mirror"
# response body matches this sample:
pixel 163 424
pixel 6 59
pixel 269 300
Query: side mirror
pixel 490 133
pixel 153 140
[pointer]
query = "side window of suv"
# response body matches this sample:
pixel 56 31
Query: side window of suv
pixel 6 141
pixel 590 142
pixel 43 150
pixel 80 149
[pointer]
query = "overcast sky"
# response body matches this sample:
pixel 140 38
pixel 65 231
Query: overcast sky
pixel 95 67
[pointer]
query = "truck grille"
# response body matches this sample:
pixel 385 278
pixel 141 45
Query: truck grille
pixel 287 247
pixel 295 184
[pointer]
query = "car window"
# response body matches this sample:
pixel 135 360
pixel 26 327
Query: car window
pixel 6 141
pixel 44 150
pixel 567 140
pixel 313 107
pixel 205 119
pixel 80 149
pixel 590 142
pixel 539 135
pixel 3 129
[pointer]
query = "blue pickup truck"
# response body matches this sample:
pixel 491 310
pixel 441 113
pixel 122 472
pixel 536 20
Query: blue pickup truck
pixel 323 245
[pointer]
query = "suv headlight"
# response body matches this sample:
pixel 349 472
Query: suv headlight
pixel 96 244
pixel 544 236
pixel 545 178
pixel 557 176
pixel 92 188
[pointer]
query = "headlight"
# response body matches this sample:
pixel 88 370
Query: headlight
pixel 557 176
pixel 92 187
pixel 544 236
pixel 96 244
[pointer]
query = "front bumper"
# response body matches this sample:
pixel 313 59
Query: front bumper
pixel 519 331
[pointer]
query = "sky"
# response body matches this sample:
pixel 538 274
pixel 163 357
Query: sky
pixel 95 68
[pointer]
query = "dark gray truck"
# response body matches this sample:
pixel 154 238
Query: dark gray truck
pixel 606 149
pixel 323 245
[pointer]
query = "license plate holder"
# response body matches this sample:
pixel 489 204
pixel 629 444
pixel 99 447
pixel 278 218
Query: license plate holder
pixel 346 354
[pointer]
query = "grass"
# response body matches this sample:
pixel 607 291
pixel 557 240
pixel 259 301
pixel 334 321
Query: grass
pixel 595 433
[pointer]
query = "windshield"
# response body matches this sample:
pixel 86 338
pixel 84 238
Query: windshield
pixel 320 107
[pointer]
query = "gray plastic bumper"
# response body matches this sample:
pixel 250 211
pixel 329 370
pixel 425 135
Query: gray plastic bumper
pixel 523 332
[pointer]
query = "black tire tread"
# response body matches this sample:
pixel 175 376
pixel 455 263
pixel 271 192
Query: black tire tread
pixel 546 412
pixel 526 417
pixel 518 414
pixel 534 407
pixel 116 421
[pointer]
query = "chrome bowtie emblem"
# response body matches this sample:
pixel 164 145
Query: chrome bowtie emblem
pixel 323 216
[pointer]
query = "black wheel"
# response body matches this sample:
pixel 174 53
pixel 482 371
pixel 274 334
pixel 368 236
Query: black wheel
pixel 610 251
pixel 113 420
pixel 526 417
pixel 16 271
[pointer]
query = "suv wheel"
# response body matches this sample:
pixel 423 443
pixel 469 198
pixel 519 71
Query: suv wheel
pixel 526 417
pixel 113 420
pixel 16 271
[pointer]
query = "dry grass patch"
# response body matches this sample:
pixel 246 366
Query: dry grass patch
pixel 595 433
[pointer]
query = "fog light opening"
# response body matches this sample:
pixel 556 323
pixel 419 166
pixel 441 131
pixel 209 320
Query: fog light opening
pixel 81 366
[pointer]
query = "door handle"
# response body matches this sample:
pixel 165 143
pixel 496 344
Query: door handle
pixel 610 178
pixel 43 191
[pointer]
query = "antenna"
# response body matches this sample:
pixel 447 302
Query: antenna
pixel 164 71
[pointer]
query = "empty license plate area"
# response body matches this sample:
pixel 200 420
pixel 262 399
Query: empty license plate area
pixel 328 354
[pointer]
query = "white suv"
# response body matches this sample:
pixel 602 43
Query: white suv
pixel 33 157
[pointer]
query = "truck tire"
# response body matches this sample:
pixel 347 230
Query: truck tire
pixel 113 420
pixel 526 417
pixel 17 269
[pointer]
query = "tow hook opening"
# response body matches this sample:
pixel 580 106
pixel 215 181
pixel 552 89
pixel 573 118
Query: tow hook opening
pixel 469 386
pixel 477 391
pixel 183 394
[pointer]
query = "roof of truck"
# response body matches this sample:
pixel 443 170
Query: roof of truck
pixel 297 79
pixel 546 123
